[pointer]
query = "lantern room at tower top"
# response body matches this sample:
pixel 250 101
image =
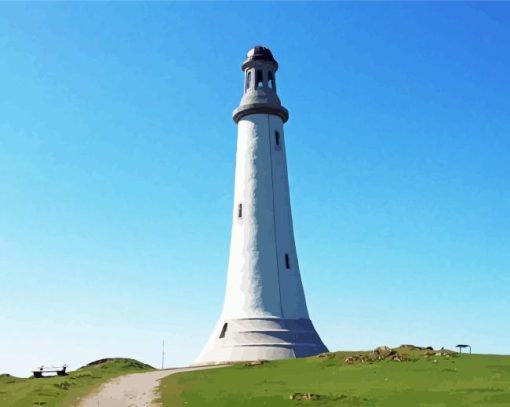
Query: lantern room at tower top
pixel 260 85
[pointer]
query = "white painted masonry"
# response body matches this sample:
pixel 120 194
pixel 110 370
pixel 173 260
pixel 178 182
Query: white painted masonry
pixel 264 314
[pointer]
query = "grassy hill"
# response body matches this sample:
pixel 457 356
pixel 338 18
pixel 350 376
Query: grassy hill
pixel 64 390
pixel 407 376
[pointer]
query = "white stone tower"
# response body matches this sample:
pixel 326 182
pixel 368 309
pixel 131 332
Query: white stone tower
pixel 264 315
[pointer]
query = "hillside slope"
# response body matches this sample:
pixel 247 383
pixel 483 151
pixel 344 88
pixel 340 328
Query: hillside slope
pixel 405 376
pixel 64 390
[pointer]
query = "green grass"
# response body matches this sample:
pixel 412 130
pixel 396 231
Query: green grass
pixel 425 379
pixel 64 391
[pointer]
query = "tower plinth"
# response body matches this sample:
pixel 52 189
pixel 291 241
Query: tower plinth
pixel 264 314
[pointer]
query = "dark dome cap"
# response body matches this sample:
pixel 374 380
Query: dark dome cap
pixel 259 53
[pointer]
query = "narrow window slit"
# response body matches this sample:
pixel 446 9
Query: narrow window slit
pixel 277 138
pixel 223 330
pixel 259 81
pixel 270 79
pixel 248 81
pixel 287 261
pixel 240 210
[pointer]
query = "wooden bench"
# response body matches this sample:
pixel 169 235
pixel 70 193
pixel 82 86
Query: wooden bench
pixel 59 370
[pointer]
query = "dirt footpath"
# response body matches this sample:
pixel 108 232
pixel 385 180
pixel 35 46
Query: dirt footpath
pixel 132 390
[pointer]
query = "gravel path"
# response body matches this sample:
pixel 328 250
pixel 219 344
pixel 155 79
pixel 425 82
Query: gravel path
pixel 132 390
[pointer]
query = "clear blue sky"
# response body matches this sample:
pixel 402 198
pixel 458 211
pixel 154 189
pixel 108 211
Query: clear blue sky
pixel 117 154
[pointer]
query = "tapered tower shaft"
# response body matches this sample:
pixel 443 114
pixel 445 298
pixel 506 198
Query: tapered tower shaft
pixel 264 314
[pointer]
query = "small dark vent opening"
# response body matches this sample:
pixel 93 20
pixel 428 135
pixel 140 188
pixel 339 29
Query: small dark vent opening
pixel 287 261
pixel 223 330
pixel 240 211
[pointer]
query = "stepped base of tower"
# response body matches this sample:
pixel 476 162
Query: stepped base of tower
pixel 251 339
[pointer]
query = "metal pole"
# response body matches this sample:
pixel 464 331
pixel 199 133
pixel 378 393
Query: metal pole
pixel 163 356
